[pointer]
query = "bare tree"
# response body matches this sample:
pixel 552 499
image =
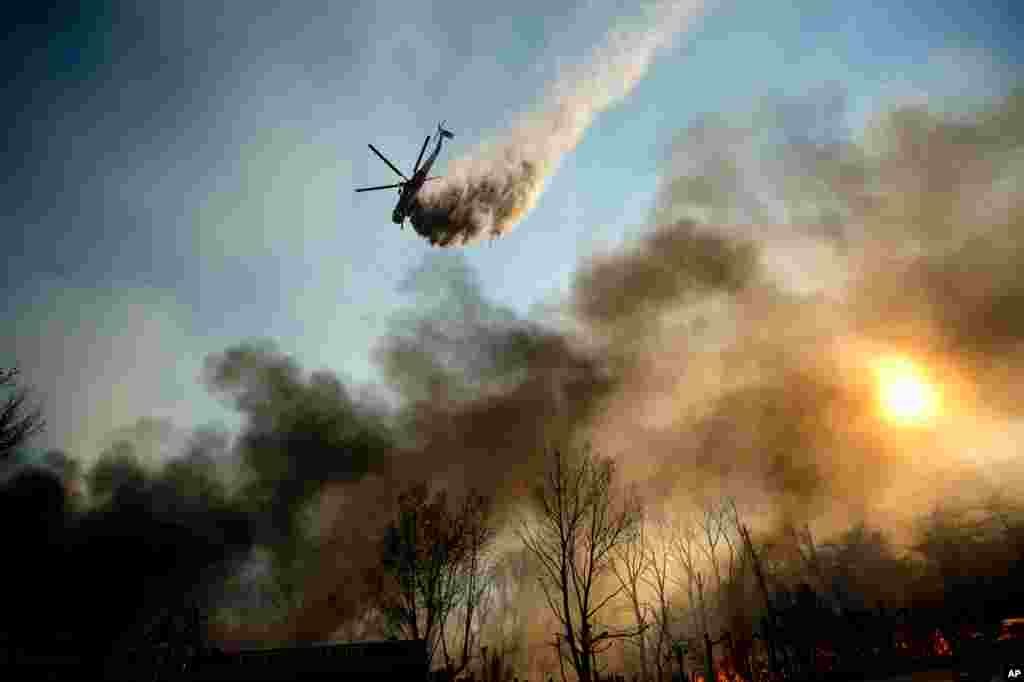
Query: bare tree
pixel 719 528
pixel 578 528
pixel 632 562
pixel 711 525
pixel 682 543
pixel 18 422
pixel 473 538
pixel 770 620
pixel 736 600
pixel 502 610
pixel 657 579
pixel 712 572
pixel 431 560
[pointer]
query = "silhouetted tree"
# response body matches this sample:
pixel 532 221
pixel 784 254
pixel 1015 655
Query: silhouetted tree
pixel 431 561
pixel 578 526
pixel 18 422
pixel 154 546
pixel 974 568
pixel 503 610
pixel 474 537
pixel 632 562
pixel 34 509
pixel 658 580
pixel 118 476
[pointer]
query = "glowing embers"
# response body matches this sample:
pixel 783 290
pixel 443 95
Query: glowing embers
pixel 906 395
pixel 939 645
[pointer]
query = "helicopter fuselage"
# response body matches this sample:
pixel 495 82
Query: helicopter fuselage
pixel 407 193
pixel 410 187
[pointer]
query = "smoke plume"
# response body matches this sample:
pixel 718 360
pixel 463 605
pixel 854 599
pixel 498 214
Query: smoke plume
pixel 489 191
pixel 697 358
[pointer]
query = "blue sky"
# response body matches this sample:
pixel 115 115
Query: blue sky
pixel 179 175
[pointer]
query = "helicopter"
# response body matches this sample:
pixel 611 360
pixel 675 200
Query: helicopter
pixel 408 188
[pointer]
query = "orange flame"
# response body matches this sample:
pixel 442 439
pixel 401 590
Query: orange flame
pixel 939 644
pixel 722 676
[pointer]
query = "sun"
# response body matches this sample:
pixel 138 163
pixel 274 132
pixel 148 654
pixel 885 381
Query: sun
pixel 905 393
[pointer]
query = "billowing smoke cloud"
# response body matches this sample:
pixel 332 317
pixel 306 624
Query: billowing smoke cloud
pixel 722 367
pixel 702 365
pixel 485 394
pixel 770 392
pixel 301 433
pixel 303 437
pixel 696 360
pixel 489 191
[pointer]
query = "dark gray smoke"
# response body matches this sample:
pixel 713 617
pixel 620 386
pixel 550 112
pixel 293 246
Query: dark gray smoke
pixel 303 436
pixel 300 433
pixel 94 574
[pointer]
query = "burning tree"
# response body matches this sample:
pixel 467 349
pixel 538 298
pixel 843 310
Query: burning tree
pixel 579 524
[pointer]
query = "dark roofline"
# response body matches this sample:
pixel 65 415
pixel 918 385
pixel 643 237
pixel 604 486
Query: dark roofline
pixel 391 643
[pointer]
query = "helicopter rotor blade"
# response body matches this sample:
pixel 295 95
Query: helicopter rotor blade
pixel 384 159
pixel 370 189
pixel 420 157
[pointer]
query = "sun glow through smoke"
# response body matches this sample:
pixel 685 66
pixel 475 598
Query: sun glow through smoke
pixel 905 394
